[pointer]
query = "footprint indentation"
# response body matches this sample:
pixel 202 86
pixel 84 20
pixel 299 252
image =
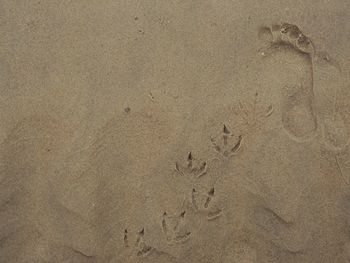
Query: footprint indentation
pixel 174 228
pixel 287 44
pixel 192 167
pixel 227 144
pixel 287 34
pixel 142 249
pixel 202 203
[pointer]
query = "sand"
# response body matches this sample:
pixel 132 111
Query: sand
pixel 194 131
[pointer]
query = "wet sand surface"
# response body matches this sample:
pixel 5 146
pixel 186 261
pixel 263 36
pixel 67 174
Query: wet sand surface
pixel 174 131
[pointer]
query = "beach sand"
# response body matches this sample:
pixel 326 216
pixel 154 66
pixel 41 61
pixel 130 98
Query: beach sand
pixel 195 131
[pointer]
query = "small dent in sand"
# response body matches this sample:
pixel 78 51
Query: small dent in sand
pixel 127 109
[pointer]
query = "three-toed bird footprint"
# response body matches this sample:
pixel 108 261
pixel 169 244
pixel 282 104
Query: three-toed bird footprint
pixel 174 228
pixel 191 167
pixel 203 202
pixel 227 144
pixel 142 249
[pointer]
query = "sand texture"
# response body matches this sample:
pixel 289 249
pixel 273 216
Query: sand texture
pixel 183 131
